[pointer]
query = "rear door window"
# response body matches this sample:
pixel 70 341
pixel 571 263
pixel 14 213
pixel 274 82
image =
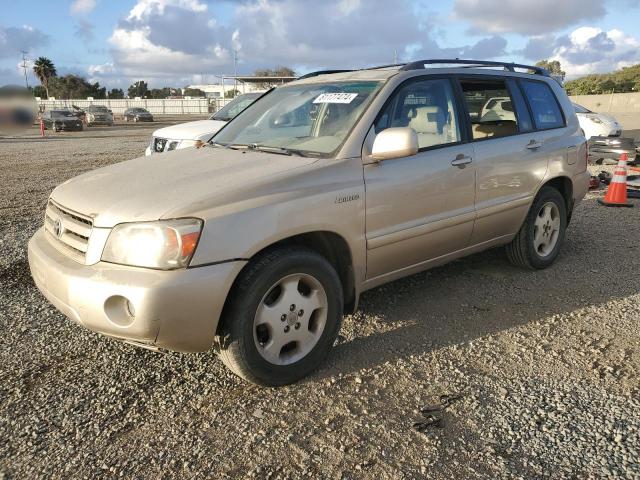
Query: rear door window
pixel 491 109
pixel 544 105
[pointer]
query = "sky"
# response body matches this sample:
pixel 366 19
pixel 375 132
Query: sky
pixel 181 42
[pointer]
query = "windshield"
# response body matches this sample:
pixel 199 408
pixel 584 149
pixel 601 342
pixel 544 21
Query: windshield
pixel 581 109
pixel 62 113
pixel 97 108
pixel 234 107
pixel 312 118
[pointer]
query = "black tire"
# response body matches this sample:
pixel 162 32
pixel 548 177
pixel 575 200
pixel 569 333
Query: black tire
pixel 521 251
pixel 238 349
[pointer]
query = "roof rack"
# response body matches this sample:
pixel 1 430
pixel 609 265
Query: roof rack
pixel 322 72
pixel 420 64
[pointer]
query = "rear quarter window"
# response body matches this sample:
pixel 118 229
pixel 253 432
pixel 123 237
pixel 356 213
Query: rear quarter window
pixel 544 105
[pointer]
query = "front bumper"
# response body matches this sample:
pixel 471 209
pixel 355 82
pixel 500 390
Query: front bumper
pixel 606 148
pixel 176 310
pixel 68 127
pixel 100 122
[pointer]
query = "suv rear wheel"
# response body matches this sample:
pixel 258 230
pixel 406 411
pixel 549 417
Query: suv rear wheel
pixel 283 317
pixel 538 242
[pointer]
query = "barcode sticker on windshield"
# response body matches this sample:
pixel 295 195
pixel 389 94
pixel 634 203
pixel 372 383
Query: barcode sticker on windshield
pixel 335 98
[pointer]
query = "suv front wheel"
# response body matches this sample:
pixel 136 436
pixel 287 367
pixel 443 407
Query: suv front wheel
pixel 284 315
pixel 538 242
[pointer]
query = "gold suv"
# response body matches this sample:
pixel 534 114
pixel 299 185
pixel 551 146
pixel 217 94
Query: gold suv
pixel 323 188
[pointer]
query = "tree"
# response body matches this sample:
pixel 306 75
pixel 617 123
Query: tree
pixel 74 87
pixel 44 69
pixel 280 71
pixel 193 92
pixel 39 91
pixel 233 93
pixel 96 91
pixel 138 89
pixel 554 67
pixel 116 93
pixel 621 81
pixel 160 92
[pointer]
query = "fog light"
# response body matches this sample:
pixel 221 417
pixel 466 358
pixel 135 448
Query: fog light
pixel 119 310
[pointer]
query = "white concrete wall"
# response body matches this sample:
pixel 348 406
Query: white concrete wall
pixel 181 106
pixel 624 106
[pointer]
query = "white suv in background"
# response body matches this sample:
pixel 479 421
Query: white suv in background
pixel 185 135
pixel 597 124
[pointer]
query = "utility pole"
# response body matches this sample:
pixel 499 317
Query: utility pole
pixel 395 56
pixel 24 67
pixel 235 72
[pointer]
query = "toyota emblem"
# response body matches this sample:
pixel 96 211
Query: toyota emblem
pixel 57 228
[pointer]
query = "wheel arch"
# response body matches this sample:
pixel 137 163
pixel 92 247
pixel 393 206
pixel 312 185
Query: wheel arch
pixel 564 185
pixel 332 246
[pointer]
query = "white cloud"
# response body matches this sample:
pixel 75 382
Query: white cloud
pixel 83 7
pixel 526 16
pixel 169 42
pixel 593 50
pixel 586 50
pixel 145 8
pixel 15 39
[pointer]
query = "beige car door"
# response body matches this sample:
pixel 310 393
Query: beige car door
pixel 420 207
pixel 510 157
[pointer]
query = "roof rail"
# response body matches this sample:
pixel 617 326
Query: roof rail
pixel 420 64
pixel 321 72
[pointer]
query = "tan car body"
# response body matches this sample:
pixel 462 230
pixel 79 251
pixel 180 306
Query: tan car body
pixel 414 213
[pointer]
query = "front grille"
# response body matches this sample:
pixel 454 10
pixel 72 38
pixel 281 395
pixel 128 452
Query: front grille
pixel 159 144
pixel 69 231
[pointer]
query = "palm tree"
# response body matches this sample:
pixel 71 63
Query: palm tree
pixel 44 70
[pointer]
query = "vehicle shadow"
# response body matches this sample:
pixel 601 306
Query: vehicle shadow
pixel 483 294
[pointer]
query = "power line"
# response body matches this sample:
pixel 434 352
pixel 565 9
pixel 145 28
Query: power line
pixel 24 67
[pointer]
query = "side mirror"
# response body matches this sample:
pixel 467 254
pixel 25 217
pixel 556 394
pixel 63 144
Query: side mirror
pixel 394 143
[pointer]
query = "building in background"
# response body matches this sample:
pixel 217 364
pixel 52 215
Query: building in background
pixel 243 84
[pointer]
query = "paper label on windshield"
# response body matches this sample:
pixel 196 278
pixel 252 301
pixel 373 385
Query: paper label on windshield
pixel 335 98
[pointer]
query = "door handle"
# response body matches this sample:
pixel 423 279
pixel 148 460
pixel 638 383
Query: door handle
pixel 461 161
pixel 533 145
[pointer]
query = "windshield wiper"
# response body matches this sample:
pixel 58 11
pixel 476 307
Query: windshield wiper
pixel 267 149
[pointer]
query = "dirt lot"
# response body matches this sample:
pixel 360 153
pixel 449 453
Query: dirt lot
pixel 546 365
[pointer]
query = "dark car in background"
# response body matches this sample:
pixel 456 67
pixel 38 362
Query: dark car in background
pixel 137 114
pixel 58 120
pixel 98 115
pixel 607 150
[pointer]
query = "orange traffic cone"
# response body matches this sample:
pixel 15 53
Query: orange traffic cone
pixel 616 195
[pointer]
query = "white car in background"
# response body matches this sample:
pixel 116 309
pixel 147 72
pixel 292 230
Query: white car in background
pixel 597 124
pixel 185 135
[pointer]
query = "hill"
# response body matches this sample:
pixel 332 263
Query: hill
pixel 625 80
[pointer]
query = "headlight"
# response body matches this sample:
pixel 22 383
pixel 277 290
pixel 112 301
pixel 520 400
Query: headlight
pixel 596 120
pixel 165 244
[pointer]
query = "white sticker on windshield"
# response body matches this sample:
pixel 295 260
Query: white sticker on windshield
pixel 335 98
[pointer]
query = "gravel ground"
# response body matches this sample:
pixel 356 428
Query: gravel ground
pixel 531 374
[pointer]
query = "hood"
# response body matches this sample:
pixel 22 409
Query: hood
pixel 177 183
pixel 190 130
